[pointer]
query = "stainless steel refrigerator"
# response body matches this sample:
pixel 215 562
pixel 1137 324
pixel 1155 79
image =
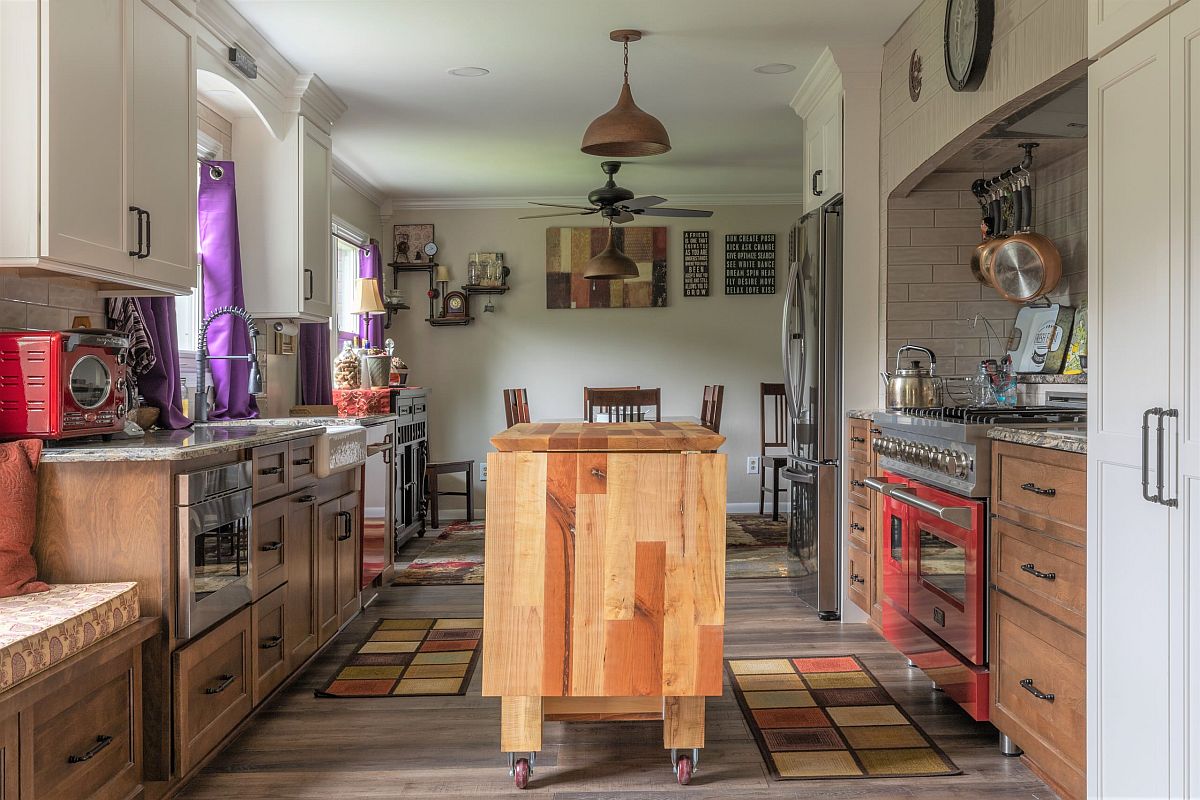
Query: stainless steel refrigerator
pixel 812 360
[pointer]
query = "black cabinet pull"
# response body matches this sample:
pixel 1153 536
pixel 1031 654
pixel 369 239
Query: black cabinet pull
pixel 877 431
pixel 271 642
pixel 270 546
pixel 300 462
pixel 225 682
pixel 308 284
pixel 1047 576
pixel 348 526
pixel 101 743
pixel 858 439
pixel 1031 487
pixel 270 470
pixel 306 498
pixel 148 229
pixel 854 526
pixel 140 234
pixel 855 579
pixel 858 484
pixel 1028 686
pixel 816 192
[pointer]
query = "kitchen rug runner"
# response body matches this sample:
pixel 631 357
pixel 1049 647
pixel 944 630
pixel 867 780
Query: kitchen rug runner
pixel 828 717
pixel 411 658
pixel 755 547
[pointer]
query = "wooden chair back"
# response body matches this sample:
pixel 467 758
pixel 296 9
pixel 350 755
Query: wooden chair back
pixel 625 405
pixel 773 416
pixel 710 407
pixel 587 397
pixel 516 406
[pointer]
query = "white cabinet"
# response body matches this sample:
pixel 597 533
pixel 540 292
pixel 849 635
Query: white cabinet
pixel 819 104
pixel 1110 21
pixel 1144 319
pixel 98 111
pixel 284 219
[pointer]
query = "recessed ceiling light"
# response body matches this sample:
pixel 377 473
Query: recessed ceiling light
pixel 774 69
pixel 468 72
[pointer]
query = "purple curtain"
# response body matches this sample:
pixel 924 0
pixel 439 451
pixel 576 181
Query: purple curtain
pixel 159 384
pixel 316 366
pixel 370 326
pixel 221 271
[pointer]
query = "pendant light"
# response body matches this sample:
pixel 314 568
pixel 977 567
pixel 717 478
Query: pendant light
pixel 610 264
pixel 625 131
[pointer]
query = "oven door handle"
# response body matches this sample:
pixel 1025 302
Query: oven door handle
pixel 961 516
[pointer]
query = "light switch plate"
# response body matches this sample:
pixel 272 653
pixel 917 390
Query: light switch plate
pixel 482 470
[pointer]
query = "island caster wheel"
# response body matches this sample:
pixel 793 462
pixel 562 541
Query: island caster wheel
pixel 683 770
pixel 521 773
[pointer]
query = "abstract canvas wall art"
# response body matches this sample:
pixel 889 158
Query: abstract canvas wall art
pixel 567 254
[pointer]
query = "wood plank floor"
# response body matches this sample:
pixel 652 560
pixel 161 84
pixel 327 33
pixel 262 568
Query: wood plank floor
pixel 448 747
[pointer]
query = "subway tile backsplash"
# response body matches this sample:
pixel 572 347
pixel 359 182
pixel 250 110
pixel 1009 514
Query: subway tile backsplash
pixel 932 232
pixel 47 303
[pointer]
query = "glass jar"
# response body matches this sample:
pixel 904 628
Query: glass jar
pixel 347 372
pixel 473 272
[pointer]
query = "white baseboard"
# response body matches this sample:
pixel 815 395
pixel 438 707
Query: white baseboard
pixel 752 508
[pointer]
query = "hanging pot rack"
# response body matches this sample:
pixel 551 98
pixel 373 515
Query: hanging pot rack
pixel 984 186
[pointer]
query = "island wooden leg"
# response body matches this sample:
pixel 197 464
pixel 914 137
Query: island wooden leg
pixel 683 722
pixel 520 724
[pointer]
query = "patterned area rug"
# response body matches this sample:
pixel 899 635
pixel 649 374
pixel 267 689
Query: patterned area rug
pixel 829 717
pixel 756 547
pixel 410 658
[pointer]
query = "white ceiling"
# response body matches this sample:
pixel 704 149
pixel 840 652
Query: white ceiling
pixel 416 132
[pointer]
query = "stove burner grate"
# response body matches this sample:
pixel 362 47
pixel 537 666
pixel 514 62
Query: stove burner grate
pixel 991 415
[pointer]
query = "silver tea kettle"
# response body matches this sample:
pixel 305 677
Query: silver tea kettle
pixel 913 386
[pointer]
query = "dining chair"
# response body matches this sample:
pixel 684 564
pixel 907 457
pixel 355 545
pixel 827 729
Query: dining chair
pixel 710 407
pixel 587 397
pixel 625 405
pixel 772 407
pixel 516 406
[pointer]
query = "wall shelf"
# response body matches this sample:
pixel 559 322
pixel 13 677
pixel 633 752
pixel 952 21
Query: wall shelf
pixel 486 289
pixel 438 323
pixel 429 269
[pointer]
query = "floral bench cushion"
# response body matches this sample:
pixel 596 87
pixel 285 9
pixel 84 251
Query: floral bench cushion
pixel 39 630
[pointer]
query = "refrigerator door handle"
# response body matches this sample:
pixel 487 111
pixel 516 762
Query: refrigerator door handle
pixel 796 477
pixel 788 378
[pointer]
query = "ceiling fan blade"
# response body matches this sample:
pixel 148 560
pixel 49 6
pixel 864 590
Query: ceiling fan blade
pixel 563 214
pixel 623 217
pixel 675 212
pixel 644 202
pixel 560 205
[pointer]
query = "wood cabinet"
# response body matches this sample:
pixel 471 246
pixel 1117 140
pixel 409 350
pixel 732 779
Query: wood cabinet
pixel 302 471
pixel 271 471
pixel 1144 321
pixel 268 634
pixel 861 523
pixel 301 633
pixel 98 100
pixel 284 210
pixel 8 757
pixel 269 555
pixel 338 563
pixel 860 576
pixel 349 562
pixel 1038 609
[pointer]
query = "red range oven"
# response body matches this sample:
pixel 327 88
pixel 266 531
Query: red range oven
pixel 935 585
pixel 62 384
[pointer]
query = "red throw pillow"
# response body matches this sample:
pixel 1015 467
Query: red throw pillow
pixel 18 520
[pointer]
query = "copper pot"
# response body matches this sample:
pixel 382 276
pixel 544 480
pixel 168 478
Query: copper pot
pixel 1026 265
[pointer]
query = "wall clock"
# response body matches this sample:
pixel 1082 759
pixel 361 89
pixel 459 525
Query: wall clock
pixel 968 42
pixel 454 306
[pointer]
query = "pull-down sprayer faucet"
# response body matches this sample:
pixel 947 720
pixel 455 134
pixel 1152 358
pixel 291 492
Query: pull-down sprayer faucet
pixel 200 405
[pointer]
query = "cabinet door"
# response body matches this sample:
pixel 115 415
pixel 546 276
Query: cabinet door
pixel 349 561
pixel 1135 601
pixel 1109 21
pixel 8 758
pixel 316 239
pixel 269 645
pixel 329 527
pixel 831 145
pixel 269 555
pixel 162 152
pixel 814 166
pixel 85 215
pixel 301 633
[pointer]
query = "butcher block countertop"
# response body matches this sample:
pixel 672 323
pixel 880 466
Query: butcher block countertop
pixel 541 437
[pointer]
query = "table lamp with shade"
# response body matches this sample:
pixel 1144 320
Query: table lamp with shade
pixel 368 303
pixel 441 276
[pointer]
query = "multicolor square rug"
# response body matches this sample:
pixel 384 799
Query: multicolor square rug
pixel 454 557
pixel 829 717
pixel 410 658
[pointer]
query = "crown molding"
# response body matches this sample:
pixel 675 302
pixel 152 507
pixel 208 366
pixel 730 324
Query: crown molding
pixel 225 27
pixel 677 200
pixel 312 96
pixel 357 182
pixel 823 76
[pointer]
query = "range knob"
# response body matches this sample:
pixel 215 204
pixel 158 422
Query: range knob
pixel 962 465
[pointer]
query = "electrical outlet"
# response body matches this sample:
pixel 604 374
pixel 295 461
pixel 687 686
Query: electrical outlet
pixel 752 465
pixel 483 470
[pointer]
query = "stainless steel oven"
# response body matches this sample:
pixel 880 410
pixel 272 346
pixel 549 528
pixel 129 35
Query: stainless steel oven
pixel 213 518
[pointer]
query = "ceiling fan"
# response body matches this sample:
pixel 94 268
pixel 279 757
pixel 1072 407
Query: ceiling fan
pixel 617 204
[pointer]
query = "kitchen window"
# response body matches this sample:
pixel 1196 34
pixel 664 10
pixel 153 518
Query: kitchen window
pixel 348 244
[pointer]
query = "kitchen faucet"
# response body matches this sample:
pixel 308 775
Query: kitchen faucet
pixel 200 405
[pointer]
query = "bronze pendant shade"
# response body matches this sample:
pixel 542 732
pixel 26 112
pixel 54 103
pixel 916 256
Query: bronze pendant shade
pixel 610 264
pixel 625 131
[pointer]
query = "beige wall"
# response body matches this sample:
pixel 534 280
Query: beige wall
pixel 349 205
pixel 733 340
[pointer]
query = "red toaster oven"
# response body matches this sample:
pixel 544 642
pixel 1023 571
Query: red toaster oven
pixel 62 384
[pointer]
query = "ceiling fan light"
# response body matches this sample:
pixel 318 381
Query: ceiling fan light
pixel 625 131
pixel 610 264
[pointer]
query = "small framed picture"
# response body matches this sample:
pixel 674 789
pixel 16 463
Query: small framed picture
pixel 409 241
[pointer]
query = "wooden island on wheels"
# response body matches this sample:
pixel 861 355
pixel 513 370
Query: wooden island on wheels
pixel 604 587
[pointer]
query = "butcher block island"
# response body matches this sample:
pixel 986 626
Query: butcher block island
pixel 604 591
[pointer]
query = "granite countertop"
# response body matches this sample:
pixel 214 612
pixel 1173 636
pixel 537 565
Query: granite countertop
pixel 860 413
pixel 204 440
pixel 1067 379
pixel 292 422
pixel 1070 440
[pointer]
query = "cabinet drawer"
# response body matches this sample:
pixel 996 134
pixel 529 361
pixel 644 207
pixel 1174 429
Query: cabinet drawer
pixel 1030 651
pixel 85 739
pixel 268 635
pixel 268 555
pixel 860 529
pixel 859 440
pixel 270 464
pixel 856 472
pixel 212 689
pixel 8 758
pixel 1046 573
pixel 861 577
pixel 1041 489
pixel 302 455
